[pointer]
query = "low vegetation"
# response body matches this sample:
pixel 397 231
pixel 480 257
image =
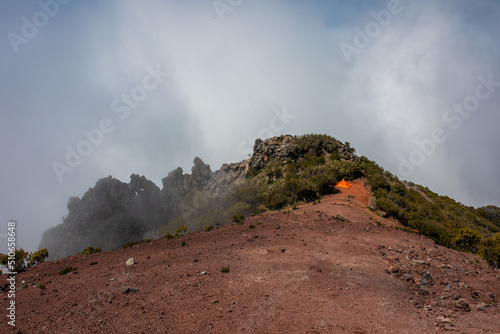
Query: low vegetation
pixel 91 250
pixel 440 218
pixel 20 259
pixel 322 161
pixel 312 167
pixel 66 270
pixel 128 245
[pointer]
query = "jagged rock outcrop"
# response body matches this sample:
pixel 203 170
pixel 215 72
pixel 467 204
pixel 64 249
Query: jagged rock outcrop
pixel 107 216
pixel 113 213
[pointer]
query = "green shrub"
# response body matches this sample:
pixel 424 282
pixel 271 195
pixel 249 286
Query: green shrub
pixel 37 257
pixel 237 218
pixel 388 206
pixel 334 156
pixel 181 230
pixel 168 236
pixel 66 270
pixel 19 263
pixel 324 183
pixel 300 189
pixel 489 250
pixel 253 172
pixel 432 229
pixel 277 172
pixel 147 240
pixel 209 228
pixel 276 198
pixel 128 245
pixel 467 240
pixel 41 286
pixel 379 181
pixel 240 208
pixel 224 270
pixel 251 226
pixel 91 250
pixel 183 243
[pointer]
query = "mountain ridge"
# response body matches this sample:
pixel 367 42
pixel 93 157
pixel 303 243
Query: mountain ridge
pixel 330 266
pixel 282 171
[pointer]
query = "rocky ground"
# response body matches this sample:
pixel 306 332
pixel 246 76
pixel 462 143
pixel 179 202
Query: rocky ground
pixel 332 267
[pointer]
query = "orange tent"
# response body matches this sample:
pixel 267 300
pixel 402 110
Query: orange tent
pixel 343 184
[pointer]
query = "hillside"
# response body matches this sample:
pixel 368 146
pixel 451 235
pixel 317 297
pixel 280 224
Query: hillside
pixel 282 171
pixel 328 267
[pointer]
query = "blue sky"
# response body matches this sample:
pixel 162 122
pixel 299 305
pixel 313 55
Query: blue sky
pixel 221 78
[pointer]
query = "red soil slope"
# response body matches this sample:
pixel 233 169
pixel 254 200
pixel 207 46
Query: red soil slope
pixel 328 268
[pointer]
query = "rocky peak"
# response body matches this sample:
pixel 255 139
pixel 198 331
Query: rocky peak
pixel 200 172
pixel 112 212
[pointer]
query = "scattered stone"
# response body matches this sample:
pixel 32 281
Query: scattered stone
pixel 482 306
pixel 424 289
pixel 203 273
pixel 93 263
pixel 130 261
pixel 394 270
pixel 277 227
pixel 448 287
pixel 372 204
pixel 443 321
pixel 417 262
pixel 407 276
pixel 427 277
pixel 462 304
pixel 128 289
pixel 112 279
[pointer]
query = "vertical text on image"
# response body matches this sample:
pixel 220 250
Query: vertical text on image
pixel 11 265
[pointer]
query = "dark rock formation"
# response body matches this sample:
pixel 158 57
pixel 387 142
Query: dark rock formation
pixel 113 213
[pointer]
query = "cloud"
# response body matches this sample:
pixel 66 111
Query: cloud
pixel 228 79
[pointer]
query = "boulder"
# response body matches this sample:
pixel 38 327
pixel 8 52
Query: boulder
pixel 462 304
